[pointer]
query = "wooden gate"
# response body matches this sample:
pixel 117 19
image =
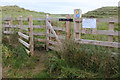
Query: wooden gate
pixel 53 37
pixel 27 36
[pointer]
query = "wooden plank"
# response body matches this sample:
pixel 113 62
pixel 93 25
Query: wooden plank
pixel 102 32
pixel 111 28
pixel 40 19
pixel 24 43
pixel 6 19
pixel 10 26
pixel 23 36
pixel 15 26
pixel 35 26
pixel 31 35
pixel 8 32
pixel 58 28
pixel 27 51
pixel 101 43
pixel 106 20
pixel 47 33
pixel 25 26
pixel 38 26
pixel 39 34
pixel 50 33
pixel 21 24
pixel 41 40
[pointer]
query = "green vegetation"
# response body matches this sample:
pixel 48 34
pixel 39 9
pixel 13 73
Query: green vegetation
pixel 18 64
pixel 15 11
pixel 83 61
pixel 104 12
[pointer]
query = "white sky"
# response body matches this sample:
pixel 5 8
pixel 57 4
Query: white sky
pixel 60 6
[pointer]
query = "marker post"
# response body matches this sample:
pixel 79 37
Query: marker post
pixel 77 24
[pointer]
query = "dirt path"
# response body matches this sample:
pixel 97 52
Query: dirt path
pixel 42 61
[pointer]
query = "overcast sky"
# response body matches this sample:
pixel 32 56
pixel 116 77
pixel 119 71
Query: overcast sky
pixel 60 6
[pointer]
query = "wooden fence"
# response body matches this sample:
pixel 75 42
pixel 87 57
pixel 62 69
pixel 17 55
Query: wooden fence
pixel 26 33
pixel 110 33
pixel 54 38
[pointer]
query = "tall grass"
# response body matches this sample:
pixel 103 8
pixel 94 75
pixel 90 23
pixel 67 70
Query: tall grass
pixel 95 61
pixel 16 62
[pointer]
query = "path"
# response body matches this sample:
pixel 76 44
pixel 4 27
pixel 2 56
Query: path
pixel 41 63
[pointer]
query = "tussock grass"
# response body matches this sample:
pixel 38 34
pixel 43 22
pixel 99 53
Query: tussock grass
pixel 84 61
pixel 17 63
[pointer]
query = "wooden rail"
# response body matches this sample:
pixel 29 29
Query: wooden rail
pixel 24 27
pixel 8 32
pixel 39 34
pixel 23 35
pixel 101 43
pixel 102 32
pixel 59 28
pixel 24 43
pixel 40 40
pixel 18 26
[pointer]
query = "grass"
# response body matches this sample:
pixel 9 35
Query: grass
pixel 16 11
pixel 18 64
pixel 104 12
pixel 83 61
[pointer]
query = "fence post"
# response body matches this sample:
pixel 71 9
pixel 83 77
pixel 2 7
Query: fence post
pixel 68 27
pixel 47 34
pixel 31 35
pixel 50 34
pixel 111 28
pixel 21 25
pixel 7 23
pixel 77 24
pixel 94 30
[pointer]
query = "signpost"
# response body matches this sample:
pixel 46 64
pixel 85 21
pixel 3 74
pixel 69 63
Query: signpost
pixel 77 23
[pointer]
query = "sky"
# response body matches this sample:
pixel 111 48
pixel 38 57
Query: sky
pixel 60 6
